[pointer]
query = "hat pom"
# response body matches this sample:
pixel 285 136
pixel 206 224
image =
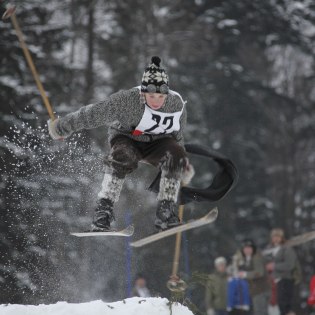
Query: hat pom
pixel 156 60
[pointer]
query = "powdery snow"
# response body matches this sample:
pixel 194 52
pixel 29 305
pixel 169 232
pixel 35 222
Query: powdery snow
pixel 132 306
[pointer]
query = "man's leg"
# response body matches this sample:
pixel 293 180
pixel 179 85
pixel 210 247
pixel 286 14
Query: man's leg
pixel 122 160
pixel 172 159
pixel 285 288
pixel 260 303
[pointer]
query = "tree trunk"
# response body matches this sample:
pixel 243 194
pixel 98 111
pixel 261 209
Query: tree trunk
pixel 89 76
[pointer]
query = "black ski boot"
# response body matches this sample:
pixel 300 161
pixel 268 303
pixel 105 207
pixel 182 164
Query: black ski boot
pixel 103 216
pixel 166 217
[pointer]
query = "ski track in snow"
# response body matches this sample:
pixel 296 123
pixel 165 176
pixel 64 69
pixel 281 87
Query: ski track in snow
pixel 132 306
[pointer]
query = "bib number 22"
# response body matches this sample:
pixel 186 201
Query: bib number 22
pixel 167 122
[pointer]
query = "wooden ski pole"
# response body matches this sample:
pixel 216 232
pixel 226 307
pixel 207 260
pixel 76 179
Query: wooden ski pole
pixel 32 66
pixel 175 284
pixel 178 243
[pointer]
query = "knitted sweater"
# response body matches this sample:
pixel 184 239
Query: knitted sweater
pixel 122 113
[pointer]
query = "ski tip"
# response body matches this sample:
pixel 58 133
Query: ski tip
pixel 127 232
pixel 214 212
pixel 209 218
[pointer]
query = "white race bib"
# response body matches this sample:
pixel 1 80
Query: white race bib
pixel 157 123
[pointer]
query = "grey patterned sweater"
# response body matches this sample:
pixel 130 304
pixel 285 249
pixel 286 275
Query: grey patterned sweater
pixel 121 112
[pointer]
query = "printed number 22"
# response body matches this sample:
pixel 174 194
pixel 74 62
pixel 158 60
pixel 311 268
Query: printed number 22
pixel 157 119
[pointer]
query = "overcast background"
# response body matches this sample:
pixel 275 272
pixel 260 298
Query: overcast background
pixel 246 69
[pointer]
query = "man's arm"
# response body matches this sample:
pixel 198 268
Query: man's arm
pixel 90 116
pixel 179 135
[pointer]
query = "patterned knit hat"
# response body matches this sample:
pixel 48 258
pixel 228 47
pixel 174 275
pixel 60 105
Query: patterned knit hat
pixel 155 78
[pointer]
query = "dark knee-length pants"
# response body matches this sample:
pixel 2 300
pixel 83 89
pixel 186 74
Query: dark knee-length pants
pixel 166 152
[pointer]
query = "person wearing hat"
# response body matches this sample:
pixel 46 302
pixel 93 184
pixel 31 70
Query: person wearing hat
pixel 216 289
pixel 146 123
pixel 140 287
pixel 250 266
pixel 285 270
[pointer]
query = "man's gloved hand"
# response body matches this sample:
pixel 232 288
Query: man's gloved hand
pixel 52 129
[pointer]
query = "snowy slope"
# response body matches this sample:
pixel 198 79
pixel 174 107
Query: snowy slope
pixel 132 306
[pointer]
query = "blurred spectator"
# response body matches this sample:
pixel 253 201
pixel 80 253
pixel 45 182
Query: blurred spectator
pixel 6 9
pixel 250 266
pixel 238 297
pixel 311 298
pixel 216 289
pixel 286 270
pixel 140 287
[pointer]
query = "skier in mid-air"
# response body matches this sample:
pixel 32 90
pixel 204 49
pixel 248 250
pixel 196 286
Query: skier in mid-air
pixel 146 123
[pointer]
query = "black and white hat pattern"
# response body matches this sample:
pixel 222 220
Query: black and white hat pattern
pixel 155 78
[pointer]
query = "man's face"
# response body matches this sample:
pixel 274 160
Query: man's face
pixel 221 267
pixel 248 251
pixel 276 240
pixel 141 283
pixel 155 100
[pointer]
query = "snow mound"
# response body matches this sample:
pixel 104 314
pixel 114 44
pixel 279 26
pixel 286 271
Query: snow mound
pixel 132 306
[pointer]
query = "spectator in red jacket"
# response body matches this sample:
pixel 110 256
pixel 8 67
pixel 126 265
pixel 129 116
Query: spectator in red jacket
pixel 311 298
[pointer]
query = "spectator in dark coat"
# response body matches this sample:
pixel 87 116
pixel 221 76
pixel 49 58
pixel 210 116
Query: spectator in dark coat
pixel 251 266
pixel 284 265
pixel 216 289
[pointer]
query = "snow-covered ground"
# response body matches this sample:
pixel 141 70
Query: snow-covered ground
pixel 132 306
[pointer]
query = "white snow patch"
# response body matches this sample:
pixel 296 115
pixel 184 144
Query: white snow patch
pixel 308 29
pixel 296 6
pixel 161 12
pixel 17 86
pixel 132 306
pixel 226 23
